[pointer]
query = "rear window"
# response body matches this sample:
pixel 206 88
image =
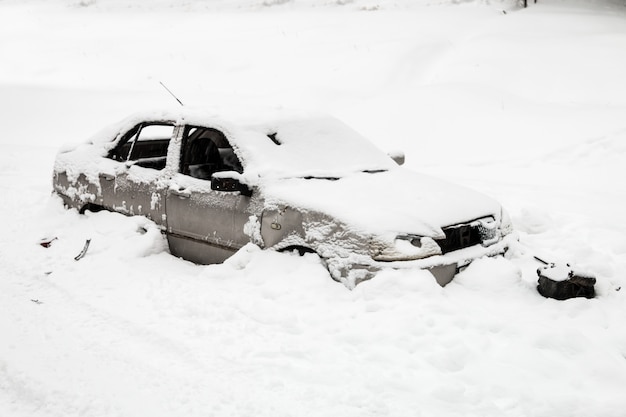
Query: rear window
pixel 146 144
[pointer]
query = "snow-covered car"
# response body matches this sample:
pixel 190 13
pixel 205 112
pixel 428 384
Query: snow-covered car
pixel 302 183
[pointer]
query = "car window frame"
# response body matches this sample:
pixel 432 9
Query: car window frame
pixel 184 151
pixel 134 134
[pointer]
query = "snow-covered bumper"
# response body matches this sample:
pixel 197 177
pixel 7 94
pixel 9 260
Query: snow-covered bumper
pixel 357 268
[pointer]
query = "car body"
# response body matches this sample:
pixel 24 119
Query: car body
pixel 295 182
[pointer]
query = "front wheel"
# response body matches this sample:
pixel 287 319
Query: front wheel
pixel 94 208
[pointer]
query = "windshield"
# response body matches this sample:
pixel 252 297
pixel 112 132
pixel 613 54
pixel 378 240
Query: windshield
pixel 310 148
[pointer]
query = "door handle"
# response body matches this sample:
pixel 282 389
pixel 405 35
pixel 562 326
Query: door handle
pixel 180 193
pixel 107 177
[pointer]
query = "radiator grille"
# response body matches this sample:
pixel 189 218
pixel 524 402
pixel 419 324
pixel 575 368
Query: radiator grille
pixel 459 237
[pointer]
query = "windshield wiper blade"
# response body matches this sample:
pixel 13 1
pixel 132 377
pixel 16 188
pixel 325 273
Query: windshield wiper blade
pixel 312 177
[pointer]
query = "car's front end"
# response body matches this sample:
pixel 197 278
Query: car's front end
pixel 352 259
pixel 444 255
pixel 367 222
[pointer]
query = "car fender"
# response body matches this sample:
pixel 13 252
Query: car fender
pixel 282 227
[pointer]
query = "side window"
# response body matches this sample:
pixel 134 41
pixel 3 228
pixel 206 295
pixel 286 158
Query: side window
pixel 146 144
pixel 206 151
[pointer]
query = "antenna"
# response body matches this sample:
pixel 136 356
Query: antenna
pixel 172 94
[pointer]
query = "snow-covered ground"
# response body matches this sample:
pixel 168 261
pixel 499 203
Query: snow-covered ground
pixel 524 105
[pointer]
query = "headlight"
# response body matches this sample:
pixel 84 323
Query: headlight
pixel 404 248
pixel 488 230
pixel 506 226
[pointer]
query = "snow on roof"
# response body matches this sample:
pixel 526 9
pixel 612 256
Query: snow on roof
pixel 276 143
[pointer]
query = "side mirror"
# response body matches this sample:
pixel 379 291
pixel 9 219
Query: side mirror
pixel 228 182
pixel 397 156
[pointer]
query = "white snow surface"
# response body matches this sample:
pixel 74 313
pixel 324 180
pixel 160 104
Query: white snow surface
pixel 526 106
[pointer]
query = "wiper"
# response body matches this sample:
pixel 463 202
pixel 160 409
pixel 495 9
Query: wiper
pixel 317 177
pixel 311 177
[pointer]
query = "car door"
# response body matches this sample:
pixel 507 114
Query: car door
pixel 140 181
pixel 205 225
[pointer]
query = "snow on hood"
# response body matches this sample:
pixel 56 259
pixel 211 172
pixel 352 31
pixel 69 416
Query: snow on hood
pixel 398 201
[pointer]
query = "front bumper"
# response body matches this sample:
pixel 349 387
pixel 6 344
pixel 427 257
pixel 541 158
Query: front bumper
pixel 353 271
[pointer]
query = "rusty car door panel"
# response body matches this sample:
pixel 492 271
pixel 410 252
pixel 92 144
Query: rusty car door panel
pixel 204 225
pixel 137 191
pixel 141 176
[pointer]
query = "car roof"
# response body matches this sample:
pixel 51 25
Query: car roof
pixel 279 143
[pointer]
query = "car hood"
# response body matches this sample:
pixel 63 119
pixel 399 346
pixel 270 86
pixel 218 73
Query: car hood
pixel 395 201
